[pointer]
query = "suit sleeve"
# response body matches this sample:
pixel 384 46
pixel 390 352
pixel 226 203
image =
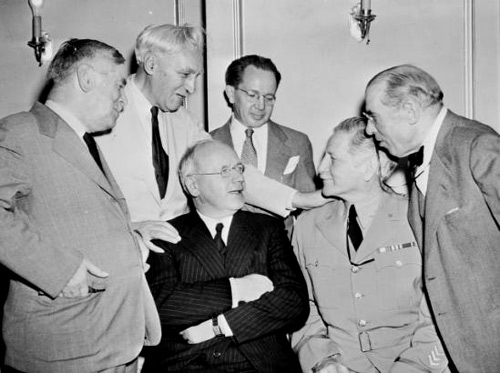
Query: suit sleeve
pixel 180 304
pixel 311 343
pixel 485 167
pixel 425 352
pixel 285 308
pixel 30 254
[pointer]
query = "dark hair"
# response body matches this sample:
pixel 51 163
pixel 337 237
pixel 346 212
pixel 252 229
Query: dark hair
pixel 74 51
pixel 236 69
pixel 408 80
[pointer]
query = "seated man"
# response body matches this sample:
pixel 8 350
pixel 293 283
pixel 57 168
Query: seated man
pixel 363 268
pixel 231 289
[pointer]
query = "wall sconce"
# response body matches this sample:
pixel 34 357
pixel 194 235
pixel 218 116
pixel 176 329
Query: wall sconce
pixel 41 41
pixel 359 21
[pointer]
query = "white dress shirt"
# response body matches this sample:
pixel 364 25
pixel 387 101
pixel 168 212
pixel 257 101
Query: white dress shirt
pixel 259 138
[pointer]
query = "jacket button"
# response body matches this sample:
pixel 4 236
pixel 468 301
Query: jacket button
pixel 217 354
pixel 354 269
pixel 362 323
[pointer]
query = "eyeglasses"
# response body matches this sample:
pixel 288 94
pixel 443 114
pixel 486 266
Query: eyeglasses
pixel 225 171
pixel 254 97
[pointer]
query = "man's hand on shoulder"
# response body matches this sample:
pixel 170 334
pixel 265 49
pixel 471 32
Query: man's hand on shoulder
pixel 149 230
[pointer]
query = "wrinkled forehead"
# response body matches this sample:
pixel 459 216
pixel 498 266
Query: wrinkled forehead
pixel 215 156
pixel 187 60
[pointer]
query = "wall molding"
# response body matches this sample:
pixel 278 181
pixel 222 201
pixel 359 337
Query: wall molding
pixel 237 29
pixel 469 59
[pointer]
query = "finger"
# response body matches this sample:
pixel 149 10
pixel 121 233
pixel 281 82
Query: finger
pixel 96 271
pixel 151 246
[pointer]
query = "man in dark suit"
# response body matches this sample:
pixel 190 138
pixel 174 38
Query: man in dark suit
pixel 279 152
pixel 227 295
pixel 78 299
pixel 454 208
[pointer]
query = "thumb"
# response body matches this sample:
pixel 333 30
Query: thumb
pixel 96 271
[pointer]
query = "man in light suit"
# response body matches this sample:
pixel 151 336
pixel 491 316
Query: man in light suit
pixel 279 152
pixel 78 299
pixel 231 289
pixel 170 59
pixel 363 269
pixel 454 209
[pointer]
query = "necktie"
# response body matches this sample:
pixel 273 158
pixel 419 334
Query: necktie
pixel 248 154
pixel 160 158
pixel 221 246
pixel 353 228
pixel 415 160
pixel 91 144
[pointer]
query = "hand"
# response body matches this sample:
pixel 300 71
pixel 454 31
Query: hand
pixel 198 333
pixel 78 286
pixel 331 365
pixel 154 229
pixel 251 287
pixel 309 200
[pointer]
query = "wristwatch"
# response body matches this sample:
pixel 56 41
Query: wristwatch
pixel 216 327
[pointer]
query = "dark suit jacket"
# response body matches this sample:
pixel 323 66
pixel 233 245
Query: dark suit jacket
pixel 461 242
pixel 56 207
pixel 190 284
pixel 283 144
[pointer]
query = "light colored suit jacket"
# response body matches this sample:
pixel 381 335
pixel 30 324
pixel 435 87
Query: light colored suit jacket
pixel 57 207
pixel 374 314
pixel 460 241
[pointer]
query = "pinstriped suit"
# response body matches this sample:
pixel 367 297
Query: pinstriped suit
pixel 190 283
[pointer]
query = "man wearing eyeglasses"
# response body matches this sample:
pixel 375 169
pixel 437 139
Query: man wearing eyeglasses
pixel 279 152
pixel 231 289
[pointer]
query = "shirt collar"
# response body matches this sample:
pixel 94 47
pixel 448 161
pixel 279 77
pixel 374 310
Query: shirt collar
pixel 430 139
pixel 211 223
pixel 240 127
pixel 68 117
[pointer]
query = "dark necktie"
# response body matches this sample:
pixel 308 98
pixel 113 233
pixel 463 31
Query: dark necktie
pixel 89 140
pixel 353 228
pixel 160 158
pixel 248 153
pixel 221 246
pixel 414 160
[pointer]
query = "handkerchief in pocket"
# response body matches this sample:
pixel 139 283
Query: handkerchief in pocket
pixel 292 165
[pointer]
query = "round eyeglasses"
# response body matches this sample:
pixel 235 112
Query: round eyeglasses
pixel 225 171
pixel 254 97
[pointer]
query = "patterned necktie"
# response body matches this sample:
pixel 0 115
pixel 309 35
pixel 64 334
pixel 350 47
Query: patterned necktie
pixel 353 228
pixel 248 154
pixel 221 246
pixel 160 158
pixel 91 144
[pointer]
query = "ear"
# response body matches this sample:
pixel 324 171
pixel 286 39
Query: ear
pixel 192 186
pixel 86 77
pixel 230 92
pixel 149 63
pixel 412 111
pixel 370 168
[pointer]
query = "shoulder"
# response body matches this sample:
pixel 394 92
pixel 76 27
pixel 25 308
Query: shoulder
pixel 17 127
pixel 331 209
pixel 257 221
pixel 292 134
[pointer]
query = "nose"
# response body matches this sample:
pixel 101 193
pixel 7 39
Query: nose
pixel 190 84
pixel 260 103
pixel 324 164
pixel 370 128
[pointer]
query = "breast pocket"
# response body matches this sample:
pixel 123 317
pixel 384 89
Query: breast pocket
pixel 399 278
pixel 328 284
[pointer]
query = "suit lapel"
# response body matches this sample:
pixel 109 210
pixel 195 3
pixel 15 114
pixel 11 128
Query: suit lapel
pixel 199 242
pixel 224 134
pixel 243 240
pixel 67 144
pixel 331 226
pixel 414 216
pixel 278 152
